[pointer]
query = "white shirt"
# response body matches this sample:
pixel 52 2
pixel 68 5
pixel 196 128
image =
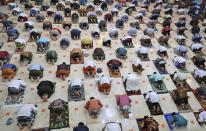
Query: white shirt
pixel 77 82
pixel 180 37
pixel 142 50
pixel 23 15
pixel 132 82
pixel 200 73
pixel 162 48
pixel 104 79
pixel 61 3
pixel 137 62
pixel 180 76
pixel 12 4
pixel 138 15
pixel 30 23
pixel 112 127
pixel 100 9
pixel 196 46
pixel 36 9
pixel 180 59
pixel 158 7
pixel 16 84
pixel 202 116
pixel 34 30
pixel 26 110
pixel 152 97
pixel 114 10
pixel 106 39
pixel 126 37
pixel 145 37
pixel 89 63
pixel 17 9
pixel 150 31
pixel 204 21
pixel 21 41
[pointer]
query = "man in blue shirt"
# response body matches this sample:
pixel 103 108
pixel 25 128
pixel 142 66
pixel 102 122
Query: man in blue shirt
pixel 179 120
pixel 8 71
pixel 35 72
pixel 12 34
pixel 122 53
pixel 182 50
pixel 81 127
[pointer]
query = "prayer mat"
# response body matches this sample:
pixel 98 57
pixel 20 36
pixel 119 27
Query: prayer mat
pixel 135 68
pixel 160 71
pixel 30 40
pixel 41 129
pixel 139 121
pixel 80 62
pixel 3 30
pixel 183 71
pixel 168 117
pixel 18 52
pixel 53 124
pixel 85 48
pixel 19 100
pixel 114 75
pixel 120 124
pixel 118 56
pixel 201 101
pixel 186 85
pixel 130 93
pixel 80 98
pixel 179 107
pixel 103 30
pixel 158 91
pixel 128 46
pixel 95 57
pixel 197 117
pixel 160 112
pixel 198 81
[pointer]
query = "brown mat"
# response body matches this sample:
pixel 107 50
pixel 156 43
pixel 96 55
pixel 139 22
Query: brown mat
pixel 73 62
pixel 186 85
pixel 114 75
pixel 179 107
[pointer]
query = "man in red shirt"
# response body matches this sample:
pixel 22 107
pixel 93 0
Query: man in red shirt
pixel 4 55
pixel 93 106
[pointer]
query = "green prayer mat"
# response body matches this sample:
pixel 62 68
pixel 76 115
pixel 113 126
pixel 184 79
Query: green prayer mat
pixel 53 124
pixel 158 91
pixel 183 71
pixel 95 57
pixel 129 46
pixel 118 56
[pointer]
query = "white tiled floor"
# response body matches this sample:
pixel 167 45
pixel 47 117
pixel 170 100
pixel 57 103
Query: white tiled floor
pixel 110 111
